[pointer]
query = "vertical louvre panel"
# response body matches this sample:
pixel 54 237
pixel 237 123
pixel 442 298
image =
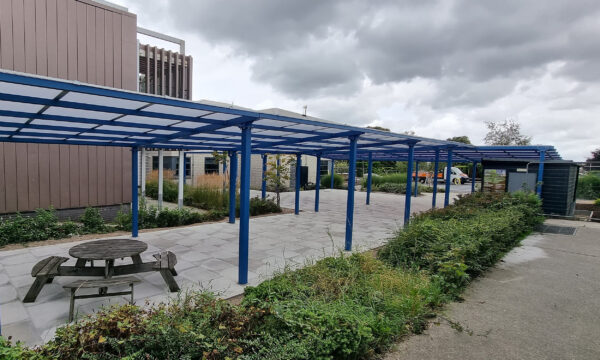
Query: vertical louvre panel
pixel 184 79
pixel 2 183
pixel 84 190
pixel 40 37
pixel 18 29
pixel 6 36
pixel 22 182
pixel 147 69
pixel 190 77
pixel 72 41
pixel 33 176
pixel 117 50
pixel 30 42
pixel 108 49
pixel 101 158
pixel 91 44
pixel 169 74
pixel 55 185
pixel 177 81
pixel 44 168
pixel 155 74
pixel 65 188
pixel 51 38
pixel 129 52
pixel 81 42
pixel 162 72
pixel 10 176
pixel 99 46
pixel 126 175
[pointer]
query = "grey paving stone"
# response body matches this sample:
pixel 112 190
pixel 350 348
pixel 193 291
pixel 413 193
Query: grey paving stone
pixel 4 279
pixel 19 258
pixel 13 312
pixel 7 293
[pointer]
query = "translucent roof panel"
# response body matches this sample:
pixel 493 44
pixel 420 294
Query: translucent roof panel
pixel 56 111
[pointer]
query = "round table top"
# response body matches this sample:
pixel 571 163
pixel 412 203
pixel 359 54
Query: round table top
pixel 108 249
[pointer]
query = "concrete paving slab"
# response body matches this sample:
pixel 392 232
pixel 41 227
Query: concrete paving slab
pixel 540 302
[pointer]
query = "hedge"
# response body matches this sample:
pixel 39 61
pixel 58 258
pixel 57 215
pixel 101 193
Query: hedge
pixel 588 186
pixel 459 242
pixel 345 307
pixel 338 181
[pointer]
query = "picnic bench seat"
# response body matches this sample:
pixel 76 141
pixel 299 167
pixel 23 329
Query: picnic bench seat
pixel 44 272
pixel 99 284
pixel 165 264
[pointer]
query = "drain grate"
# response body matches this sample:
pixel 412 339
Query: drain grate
pixel 555 229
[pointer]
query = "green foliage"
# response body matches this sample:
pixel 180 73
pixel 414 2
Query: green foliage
pixel 259 206
pixel 588 186
pixel 170 190
pixel 390 178
pixel 43 225
pixel 206 198
pixel 92 221
pixel 394 188
pixel 149 217
pixel 9 351
pixel 461 139
pixel 338 181
pixel 459 242
pixel 597 202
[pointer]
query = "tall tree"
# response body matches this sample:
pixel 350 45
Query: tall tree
pixel 595 155
pixel 378 128
pixel 507 132
pixel 461 139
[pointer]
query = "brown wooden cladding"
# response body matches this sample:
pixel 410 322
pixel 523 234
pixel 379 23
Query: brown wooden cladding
pixel 76 40
pixel 64 176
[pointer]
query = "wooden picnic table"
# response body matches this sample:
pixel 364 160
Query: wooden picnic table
pixel 108 251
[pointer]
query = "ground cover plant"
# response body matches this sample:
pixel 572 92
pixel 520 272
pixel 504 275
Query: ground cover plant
pixel 343 307
pixel 458 243
pixel 44 225
pixel 382 179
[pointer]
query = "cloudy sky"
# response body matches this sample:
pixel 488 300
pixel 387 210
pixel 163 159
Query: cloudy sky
pixel 438 68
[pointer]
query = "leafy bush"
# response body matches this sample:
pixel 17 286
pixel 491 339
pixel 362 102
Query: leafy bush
pixel 391 188
pixel 588 186
pixel 9 351
pixel 259 206
pixel 597 202
pixel 92 221
pixel 459 242
pixel 429 189
pixel 149 217
pixel 338 181
pixel 390 178
pixel 43 225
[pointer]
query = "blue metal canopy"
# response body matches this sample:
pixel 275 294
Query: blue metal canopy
pixel 44 110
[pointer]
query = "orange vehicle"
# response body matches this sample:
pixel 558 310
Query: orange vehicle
pixel 458 177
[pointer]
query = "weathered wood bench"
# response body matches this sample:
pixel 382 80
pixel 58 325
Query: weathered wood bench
pixel 48 268
pixel 44 272
pixel 99 284
pixel 165 264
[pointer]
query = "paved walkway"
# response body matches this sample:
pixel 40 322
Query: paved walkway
pixel 207 256
pixel 541 302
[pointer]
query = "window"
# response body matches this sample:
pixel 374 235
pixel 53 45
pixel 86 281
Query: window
pixel 324 167
pixel 172 163
pixel 211 166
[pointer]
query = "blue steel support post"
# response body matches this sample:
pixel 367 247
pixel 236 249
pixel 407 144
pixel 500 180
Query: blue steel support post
pixel 369 177
pixel 244 205
pixel 263 188
pixel 134 193
pixel 448 178
pixel 436 170
pixel 232 185
pixel 540 177
pixel 473 177
pixel 297 184
pixel 351 185
pixel 409 169
pixel 416 178
pixel 332 172
pixel 318 183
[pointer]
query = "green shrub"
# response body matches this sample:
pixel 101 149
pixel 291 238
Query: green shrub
pixel 394 188
pixel 259 206
pixel 206 198
pixel 338 181
pixel 93 222
pixel 459 242
pixel 588 186
pixel 390 178
pixel 597 202
pixel 9 351
pixel 149 217
pixel 170 190
pixel 43 225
